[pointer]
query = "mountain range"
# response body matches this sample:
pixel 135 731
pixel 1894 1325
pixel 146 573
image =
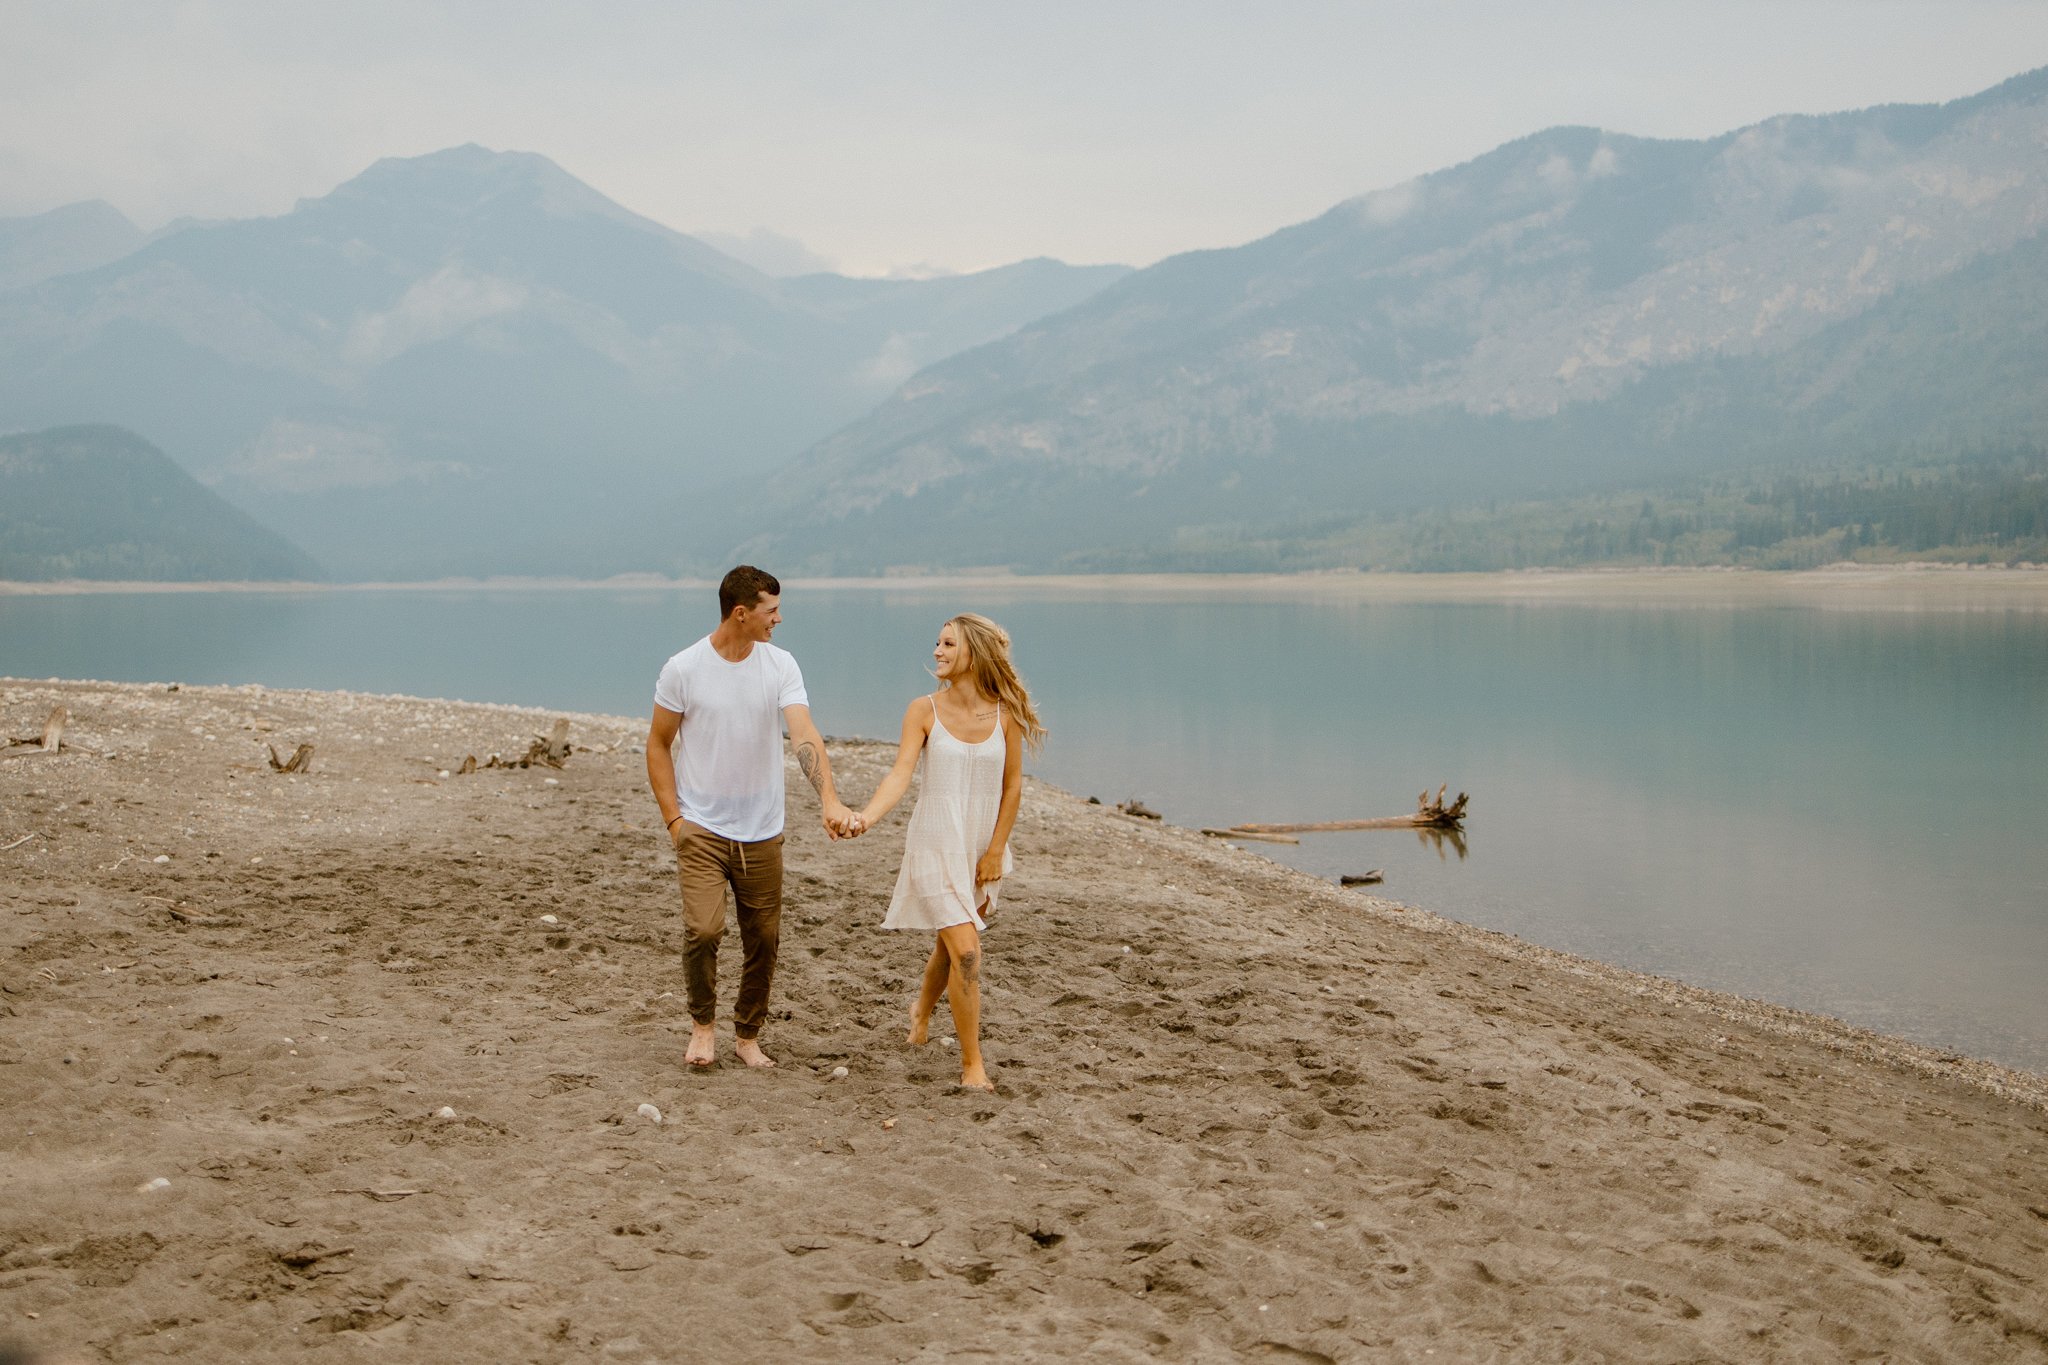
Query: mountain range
pixel 471 362
pixel 1573 311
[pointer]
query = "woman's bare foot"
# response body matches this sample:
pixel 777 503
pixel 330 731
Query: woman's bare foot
pixel 703 1050
pixel 750 1052
pixel 920 1028
pixel 976 1078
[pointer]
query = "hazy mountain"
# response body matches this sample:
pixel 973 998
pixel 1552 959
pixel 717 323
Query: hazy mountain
pixel 99 502
pixel 473 362
pixel 75 237
pixel 1570 310
pixel 770 252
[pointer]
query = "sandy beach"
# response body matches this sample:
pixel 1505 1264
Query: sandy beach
pixel 350 1064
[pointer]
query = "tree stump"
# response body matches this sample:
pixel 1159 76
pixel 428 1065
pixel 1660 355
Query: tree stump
pixel 552 748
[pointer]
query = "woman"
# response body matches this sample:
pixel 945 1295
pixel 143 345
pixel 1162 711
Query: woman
pixel 972 733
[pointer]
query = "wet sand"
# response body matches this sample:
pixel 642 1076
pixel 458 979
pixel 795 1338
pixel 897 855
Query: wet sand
pixel 1241 1111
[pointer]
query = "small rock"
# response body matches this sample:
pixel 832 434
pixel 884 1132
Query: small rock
pixel 552 781
pixel 549 919
pixel 152 1186
pixel 838 1073
pixel 888 1123
pixel 161 858
pixel 948 1042
pixel 444 1112
pixel 648 1111
pixel 1127 947
pixel 256 860
pixel 445 773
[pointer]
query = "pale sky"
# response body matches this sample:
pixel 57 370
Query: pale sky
pixel 898 135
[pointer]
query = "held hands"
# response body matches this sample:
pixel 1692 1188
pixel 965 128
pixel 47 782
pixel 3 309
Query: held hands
pixel 849 824
pixel 840 823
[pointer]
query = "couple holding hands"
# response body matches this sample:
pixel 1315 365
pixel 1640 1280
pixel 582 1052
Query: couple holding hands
pixel 727 698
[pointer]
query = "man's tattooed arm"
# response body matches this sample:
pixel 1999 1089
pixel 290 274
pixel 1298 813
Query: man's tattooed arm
pixel 807 758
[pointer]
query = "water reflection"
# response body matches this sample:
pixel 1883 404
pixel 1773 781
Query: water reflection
pixel 1436 837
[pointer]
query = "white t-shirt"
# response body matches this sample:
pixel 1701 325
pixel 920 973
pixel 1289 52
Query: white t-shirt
pixel 729 750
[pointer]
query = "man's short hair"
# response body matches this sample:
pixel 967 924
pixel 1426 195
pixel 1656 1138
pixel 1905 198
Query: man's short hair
pixel 743 587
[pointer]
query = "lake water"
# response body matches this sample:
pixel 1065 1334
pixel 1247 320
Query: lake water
pixel 1845 811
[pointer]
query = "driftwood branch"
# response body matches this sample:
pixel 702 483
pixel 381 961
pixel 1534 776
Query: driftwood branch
pixel 550 750
pixel 1429 813
pixel 50 741
pixel 381 1196
pixel 301 760
pixel 1138 808
pixel 1372 878
pixel 19 842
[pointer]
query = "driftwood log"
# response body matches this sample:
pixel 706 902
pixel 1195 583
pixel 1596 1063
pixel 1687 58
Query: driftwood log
pixel 301 760
pixel 1429 813
pixel 550 750
pixel 50 741
pixel 1138 808
pixel 1372 878
pixel 1251 836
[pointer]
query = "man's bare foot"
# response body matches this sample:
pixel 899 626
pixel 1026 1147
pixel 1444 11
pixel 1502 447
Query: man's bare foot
pixel 703 1050
pixel 976 1078
pixel 920 1028
pixel 750 1052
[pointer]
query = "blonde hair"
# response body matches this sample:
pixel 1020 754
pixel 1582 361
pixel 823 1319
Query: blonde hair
pixel 988 656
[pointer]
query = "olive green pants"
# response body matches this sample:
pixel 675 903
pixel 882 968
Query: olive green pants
pixel 708 866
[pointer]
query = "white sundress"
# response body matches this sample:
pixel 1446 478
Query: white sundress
pixel 960 788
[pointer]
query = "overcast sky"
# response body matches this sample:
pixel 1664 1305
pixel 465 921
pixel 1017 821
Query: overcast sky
pixel 897 135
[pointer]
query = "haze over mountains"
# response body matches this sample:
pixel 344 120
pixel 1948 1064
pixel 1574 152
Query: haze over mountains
pixel 473 362
pixel 470 362
pixel 75 237
pixel 1574 311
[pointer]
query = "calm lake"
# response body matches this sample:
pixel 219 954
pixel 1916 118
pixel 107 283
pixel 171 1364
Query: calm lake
pixel 1841 810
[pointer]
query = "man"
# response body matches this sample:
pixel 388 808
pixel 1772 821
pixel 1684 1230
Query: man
pixel 728 696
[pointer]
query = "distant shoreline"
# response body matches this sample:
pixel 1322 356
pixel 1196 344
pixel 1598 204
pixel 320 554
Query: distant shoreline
pixel 1893 586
